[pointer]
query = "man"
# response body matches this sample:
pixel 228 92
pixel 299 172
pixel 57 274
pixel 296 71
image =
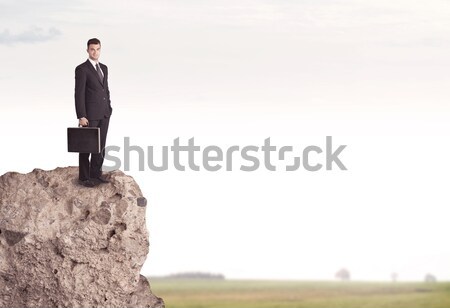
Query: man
pixel 93 108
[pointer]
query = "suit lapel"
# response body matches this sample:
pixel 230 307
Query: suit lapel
pixel 94 71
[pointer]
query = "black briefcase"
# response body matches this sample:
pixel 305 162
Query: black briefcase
pixel 83 139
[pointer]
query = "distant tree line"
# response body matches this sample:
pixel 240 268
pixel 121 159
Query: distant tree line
pixel 343 274
pixel 196 275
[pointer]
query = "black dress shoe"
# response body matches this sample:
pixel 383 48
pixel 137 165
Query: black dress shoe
pixel 101 180
pixel 86 183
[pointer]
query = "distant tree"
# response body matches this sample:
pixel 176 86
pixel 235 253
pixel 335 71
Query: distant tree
pixel 343 274
pixel 430 278
pixel 394 277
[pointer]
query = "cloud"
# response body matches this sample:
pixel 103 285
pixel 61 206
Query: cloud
pixel 30 36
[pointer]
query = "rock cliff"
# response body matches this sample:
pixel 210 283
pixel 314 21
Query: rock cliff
pixel 65 245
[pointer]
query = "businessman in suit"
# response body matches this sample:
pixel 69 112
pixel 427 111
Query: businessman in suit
pixel 93 108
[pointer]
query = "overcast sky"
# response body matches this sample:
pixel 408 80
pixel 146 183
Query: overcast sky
pixel 372 74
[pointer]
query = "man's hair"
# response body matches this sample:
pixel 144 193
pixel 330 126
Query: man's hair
pixel 93 41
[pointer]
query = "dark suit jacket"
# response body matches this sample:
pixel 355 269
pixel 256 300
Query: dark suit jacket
pixel 91 95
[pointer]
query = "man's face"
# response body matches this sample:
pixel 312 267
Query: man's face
pixel 94 51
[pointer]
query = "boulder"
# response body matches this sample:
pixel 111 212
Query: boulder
pixel 66 245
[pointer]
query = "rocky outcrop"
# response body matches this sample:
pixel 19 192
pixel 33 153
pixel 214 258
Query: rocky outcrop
pixel 65 245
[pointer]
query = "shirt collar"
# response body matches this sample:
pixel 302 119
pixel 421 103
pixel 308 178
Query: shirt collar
pixel 93 62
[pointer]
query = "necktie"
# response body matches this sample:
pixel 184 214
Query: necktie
pixel 99 72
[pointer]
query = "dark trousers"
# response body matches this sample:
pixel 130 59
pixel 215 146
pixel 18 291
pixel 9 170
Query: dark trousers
pixel 93 169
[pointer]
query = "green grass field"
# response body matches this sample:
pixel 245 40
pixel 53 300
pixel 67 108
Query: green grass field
pixel 288 294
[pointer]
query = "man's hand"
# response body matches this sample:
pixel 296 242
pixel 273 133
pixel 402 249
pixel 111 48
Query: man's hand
pixel 83 122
